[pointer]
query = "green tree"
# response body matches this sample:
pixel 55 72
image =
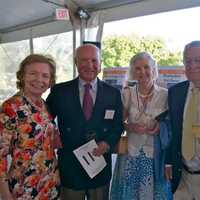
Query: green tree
pixel 117 50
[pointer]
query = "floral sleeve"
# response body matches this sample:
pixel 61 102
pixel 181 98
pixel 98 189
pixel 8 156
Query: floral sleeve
pixel 7 133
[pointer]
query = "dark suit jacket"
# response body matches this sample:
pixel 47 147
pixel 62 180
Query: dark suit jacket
pixel 64 102
pixel 176 100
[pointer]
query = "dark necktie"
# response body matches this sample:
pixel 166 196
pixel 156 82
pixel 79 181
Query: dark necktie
pixel 87 102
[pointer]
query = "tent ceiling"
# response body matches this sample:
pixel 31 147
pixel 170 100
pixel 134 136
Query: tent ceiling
pixel 17 16
pixel 17 12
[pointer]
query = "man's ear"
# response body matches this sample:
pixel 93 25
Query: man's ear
pixel 100 62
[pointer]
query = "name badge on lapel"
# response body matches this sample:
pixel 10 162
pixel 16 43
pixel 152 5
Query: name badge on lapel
pixel 109 114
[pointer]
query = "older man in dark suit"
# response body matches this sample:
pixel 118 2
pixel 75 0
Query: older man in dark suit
pixel 86 108
pixel 184 111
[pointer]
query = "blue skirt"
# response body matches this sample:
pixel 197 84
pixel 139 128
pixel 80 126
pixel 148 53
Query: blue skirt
pixel 133 179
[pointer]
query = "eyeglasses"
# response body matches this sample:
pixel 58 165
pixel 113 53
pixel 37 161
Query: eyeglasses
pixel 189 62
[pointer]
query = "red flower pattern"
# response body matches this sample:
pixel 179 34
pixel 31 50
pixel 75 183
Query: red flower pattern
pixel 29 153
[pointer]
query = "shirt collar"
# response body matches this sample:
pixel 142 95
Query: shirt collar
pixel 92 83
pixel 192 86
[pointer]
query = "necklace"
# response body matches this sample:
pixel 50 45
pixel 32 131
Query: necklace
pixel 146 95
pixel 39 104
pixel 144 99
pixel 149 93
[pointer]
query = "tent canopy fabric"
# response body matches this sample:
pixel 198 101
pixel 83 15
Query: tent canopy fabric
pixel 20 18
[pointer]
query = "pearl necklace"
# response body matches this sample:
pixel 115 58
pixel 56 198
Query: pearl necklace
pixel 146 95
pixel 144 99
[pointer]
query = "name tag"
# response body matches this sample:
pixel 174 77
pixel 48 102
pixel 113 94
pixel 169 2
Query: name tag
pixel 109 114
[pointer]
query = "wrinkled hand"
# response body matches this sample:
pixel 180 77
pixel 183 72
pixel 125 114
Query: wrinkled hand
pixel 102 148
pixel 135 127
pixel 168 172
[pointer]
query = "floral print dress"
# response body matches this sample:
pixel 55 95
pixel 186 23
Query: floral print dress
pixel 27 135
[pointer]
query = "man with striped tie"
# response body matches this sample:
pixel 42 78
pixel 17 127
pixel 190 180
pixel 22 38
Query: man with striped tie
pixel 86 108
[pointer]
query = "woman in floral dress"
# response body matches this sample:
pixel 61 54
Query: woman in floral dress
pixel 27 135
pixel 139 175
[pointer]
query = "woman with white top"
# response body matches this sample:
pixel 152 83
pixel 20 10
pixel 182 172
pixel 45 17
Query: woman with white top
pixel 139 175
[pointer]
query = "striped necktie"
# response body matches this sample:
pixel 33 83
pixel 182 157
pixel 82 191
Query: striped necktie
pixel 87 102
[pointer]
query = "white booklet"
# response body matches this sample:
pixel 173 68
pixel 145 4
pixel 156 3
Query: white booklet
pixel 93 165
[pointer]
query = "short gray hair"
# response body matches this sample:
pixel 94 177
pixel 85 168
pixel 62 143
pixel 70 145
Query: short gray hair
pixel 195 43
pixel 143 55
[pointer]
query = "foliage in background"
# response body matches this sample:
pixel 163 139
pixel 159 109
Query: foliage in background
pixel 117 50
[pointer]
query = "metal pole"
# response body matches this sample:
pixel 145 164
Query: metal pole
pixel 74 49
pixel 31 42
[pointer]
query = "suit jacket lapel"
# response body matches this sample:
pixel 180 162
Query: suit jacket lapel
pixel 182 96
pixel 77 97
pixel 178 103
pixel 98 101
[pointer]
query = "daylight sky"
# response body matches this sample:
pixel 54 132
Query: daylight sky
pixel 176 27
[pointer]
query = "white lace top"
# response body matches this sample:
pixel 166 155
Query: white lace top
pixel 155 106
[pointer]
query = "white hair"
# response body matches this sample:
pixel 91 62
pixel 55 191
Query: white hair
pixel 143 55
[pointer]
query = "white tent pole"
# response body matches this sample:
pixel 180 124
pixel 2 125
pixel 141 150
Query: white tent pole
pixel 31 42
pixel 74 49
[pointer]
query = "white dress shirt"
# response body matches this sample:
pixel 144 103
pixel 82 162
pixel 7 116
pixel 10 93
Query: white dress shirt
pixel 93 90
